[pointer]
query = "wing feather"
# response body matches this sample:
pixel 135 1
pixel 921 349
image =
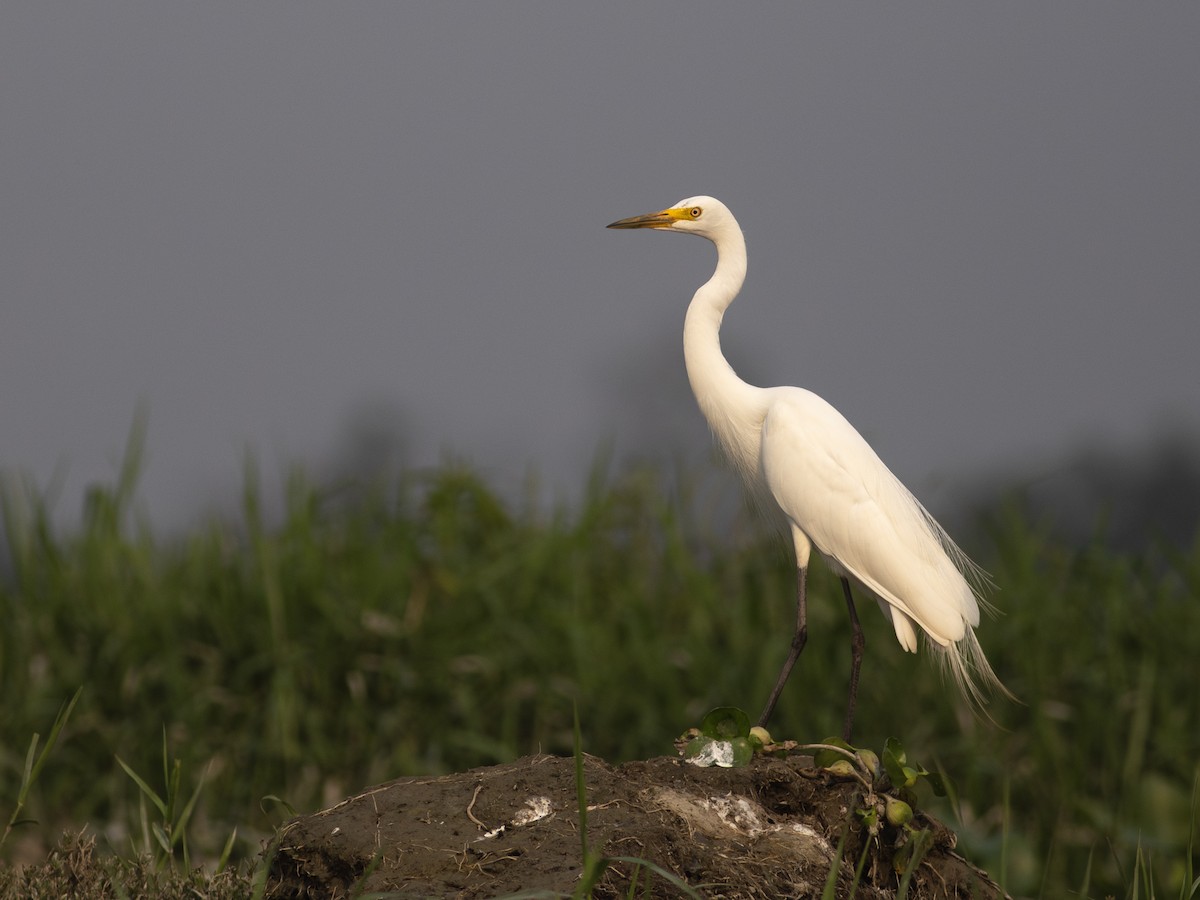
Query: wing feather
pixel 836 490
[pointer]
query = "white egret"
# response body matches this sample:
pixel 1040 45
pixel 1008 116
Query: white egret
pixel 796 451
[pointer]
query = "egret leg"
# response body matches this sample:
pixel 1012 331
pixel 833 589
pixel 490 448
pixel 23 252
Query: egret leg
pixel 799 637
pixel 858 643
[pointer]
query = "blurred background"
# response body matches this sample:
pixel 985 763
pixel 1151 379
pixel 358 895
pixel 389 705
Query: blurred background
pixel 356 237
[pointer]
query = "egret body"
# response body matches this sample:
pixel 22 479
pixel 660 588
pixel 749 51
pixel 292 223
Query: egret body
pixel 796 451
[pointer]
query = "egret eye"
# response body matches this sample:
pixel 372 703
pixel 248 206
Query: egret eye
pixel 695 211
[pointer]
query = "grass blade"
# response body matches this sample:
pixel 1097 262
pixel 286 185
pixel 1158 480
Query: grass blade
pixel 34 762
pixel 147 791
pixel 830 890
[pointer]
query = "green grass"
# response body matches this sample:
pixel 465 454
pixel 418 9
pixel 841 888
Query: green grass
pixel 429 626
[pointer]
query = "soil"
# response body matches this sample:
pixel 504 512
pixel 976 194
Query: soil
pixel 767 830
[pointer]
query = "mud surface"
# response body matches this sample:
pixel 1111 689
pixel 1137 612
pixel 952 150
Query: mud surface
pixel 768 830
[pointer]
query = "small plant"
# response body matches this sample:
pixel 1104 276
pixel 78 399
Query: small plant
pixel 888 797
pixel 887 782
pixel 595 863
pixel 164 837
pixel 34 762
pixel 724 739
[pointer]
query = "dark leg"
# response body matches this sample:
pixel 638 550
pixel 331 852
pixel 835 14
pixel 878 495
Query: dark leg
pixel 858 643
pixel 798 639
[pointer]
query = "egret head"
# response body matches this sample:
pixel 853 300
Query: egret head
pixel 705 216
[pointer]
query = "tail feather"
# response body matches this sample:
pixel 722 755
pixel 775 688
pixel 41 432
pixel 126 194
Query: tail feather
pixel 964 659
pixel 968 667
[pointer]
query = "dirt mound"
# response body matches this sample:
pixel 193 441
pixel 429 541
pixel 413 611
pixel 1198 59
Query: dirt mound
pixel 768 830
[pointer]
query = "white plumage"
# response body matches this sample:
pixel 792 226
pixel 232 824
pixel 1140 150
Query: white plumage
pixel 796 451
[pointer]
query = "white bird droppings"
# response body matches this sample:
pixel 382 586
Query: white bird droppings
pixel 535 808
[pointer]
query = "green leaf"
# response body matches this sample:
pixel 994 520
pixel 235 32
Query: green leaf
pixel 894 759
pixel 26 775
pixel 34 762
pixel 726 723
pixel 895 749
pixel 227 850
pixel 695 746
pixel 287 807
pixel 148 791
pixel 186 814
pixel 160 835
pixel 676 882
pixel 743 751
pixel 940 782
pixel 826 758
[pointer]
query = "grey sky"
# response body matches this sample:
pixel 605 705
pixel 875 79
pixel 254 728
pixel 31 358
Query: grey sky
pixel 974 228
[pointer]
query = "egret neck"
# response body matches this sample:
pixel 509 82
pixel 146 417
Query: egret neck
pixel 733 408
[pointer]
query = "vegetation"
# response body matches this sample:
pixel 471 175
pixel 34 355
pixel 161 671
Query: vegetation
pixel 427 625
